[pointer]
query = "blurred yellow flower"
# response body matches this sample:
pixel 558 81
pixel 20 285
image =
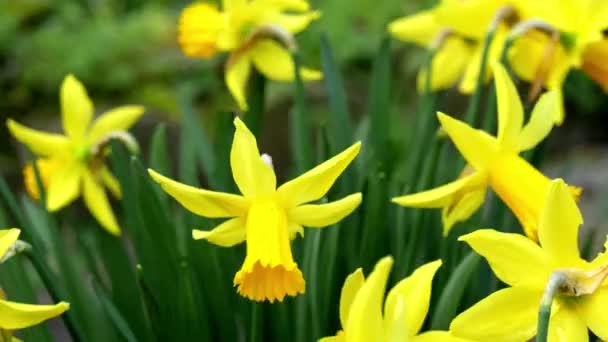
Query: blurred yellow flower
pixel 458 59
pixel 73 163
pixel 16 315
pixel 266 217
pixel 510 314
pixel 249 30
pixel 405 308
pixel 495 162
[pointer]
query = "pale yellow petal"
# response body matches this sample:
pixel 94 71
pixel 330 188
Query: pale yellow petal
pixel 323 215
pixel 508 315
pixel 415 291
pixel 315 183
pixel 541 121
pixel 236 76
pixel 566 326
pixel 420 28
pixel 448 65
pixel 202 202
pixel 560 220
pixel 251 174
pixel 593 310
pixel 227 234
pixel 110 182
pixel 465 207
pixel 477 147
pixel 18 316
pixel 510 110
pixel 7 238
pixel 275 62
pixel 64 186
pixel 352 284
pixel 515 259
pixel 293 23
pixel 40 143
pixel 117 119
pixel 96 200
pixel 76 108
pixel 365 316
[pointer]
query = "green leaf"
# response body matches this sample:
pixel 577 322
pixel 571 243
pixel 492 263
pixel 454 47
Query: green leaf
pixel 300 124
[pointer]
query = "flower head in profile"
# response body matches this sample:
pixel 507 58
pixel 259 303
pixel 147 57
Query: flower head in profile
pixel 73 164
pixel 405 308
pixel 495 162
pixel 13 315
pixel 255 33
pixel 267 218
pixel 511 314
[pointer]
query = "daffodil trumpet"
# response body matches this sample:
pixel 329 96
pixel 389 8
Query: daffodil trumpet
pixel 265 217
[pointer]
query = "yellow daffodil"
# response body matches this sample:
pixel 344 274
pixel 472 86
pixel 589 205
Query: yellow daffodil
pixel 510 314
pixel 582 45
pixel 266 217
pixel 13 315
pixel 495 162
pixel 73 163
pixel 405 308
pixel 249 30
pixel 458 59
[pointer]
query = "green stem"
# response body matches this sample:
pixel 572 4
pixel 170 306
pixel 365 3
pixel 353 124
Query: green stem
pixel 472 115
pixel 300 123
pixel 255 321
pixel 556 281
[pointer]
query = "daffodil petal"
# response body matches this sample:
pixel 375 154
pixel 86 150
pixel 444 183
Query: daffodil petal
pixel 315 183
pixel 110 182
pixel 117 119
pixel 76 108
pixel 464 208
pixel 7 238
pixel 365 315
pixel 251 174
pixel 565 326
pixel 288 5
pixel 559 223
pixel 434 336
pixel 510 110
pixel 18 316
pixel 515 259
pixel 40 143
pixel 507 315
pixel 202 202
pixel 351 286
pixel 470 73
pixel 476 146
pixel 294 23
pixel 274 62
pixel 295 230
pixel 96 200
pixel 442 195
pixel 64 186
pixel 448 65
pixel 560 114
pixel 541 121
pixel 420 28
pixel 229 233
pixel 323 215
pixel 593 310
pixel 231 5
pixel 236 75
pixel 415 291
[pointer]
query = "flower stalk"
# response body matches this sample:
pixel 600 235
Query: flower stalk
pixel 555 285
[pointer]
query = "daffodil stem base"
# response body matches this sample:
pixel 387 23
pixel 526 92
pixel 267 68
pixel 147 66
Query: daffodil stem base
pixel 556 281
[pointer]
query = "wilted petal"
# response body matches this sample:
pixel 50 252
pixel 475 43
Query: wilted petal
pixel 323 215
pixel 76 108
pixel 227 234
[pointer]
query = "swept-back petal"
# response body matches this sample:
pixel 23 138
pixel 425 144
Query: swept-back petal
pixel 76 108
pixel 420 28
pixel 229 233
pixel 18 316
pixel 463 208
pixel 202 202
pixel 7 238
pixel 415 292
pixel 477 147
pixel 236 75
pixel 294 23
pixel 559 223
pixel 352 284
pixel 274 62
pixel 515 259
pixel 365 315
pixel 323 215
pixel 315 183
pixel 251 174
pixel 508 315
pixel 510 110
pixel 593 310
pixel 541 121
pixel 448 65
pixel 41 143
pixel 565 326
pixel 110 182
pixel 434 336
pixel 64 186
pixel 117 119
pixel 96 200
